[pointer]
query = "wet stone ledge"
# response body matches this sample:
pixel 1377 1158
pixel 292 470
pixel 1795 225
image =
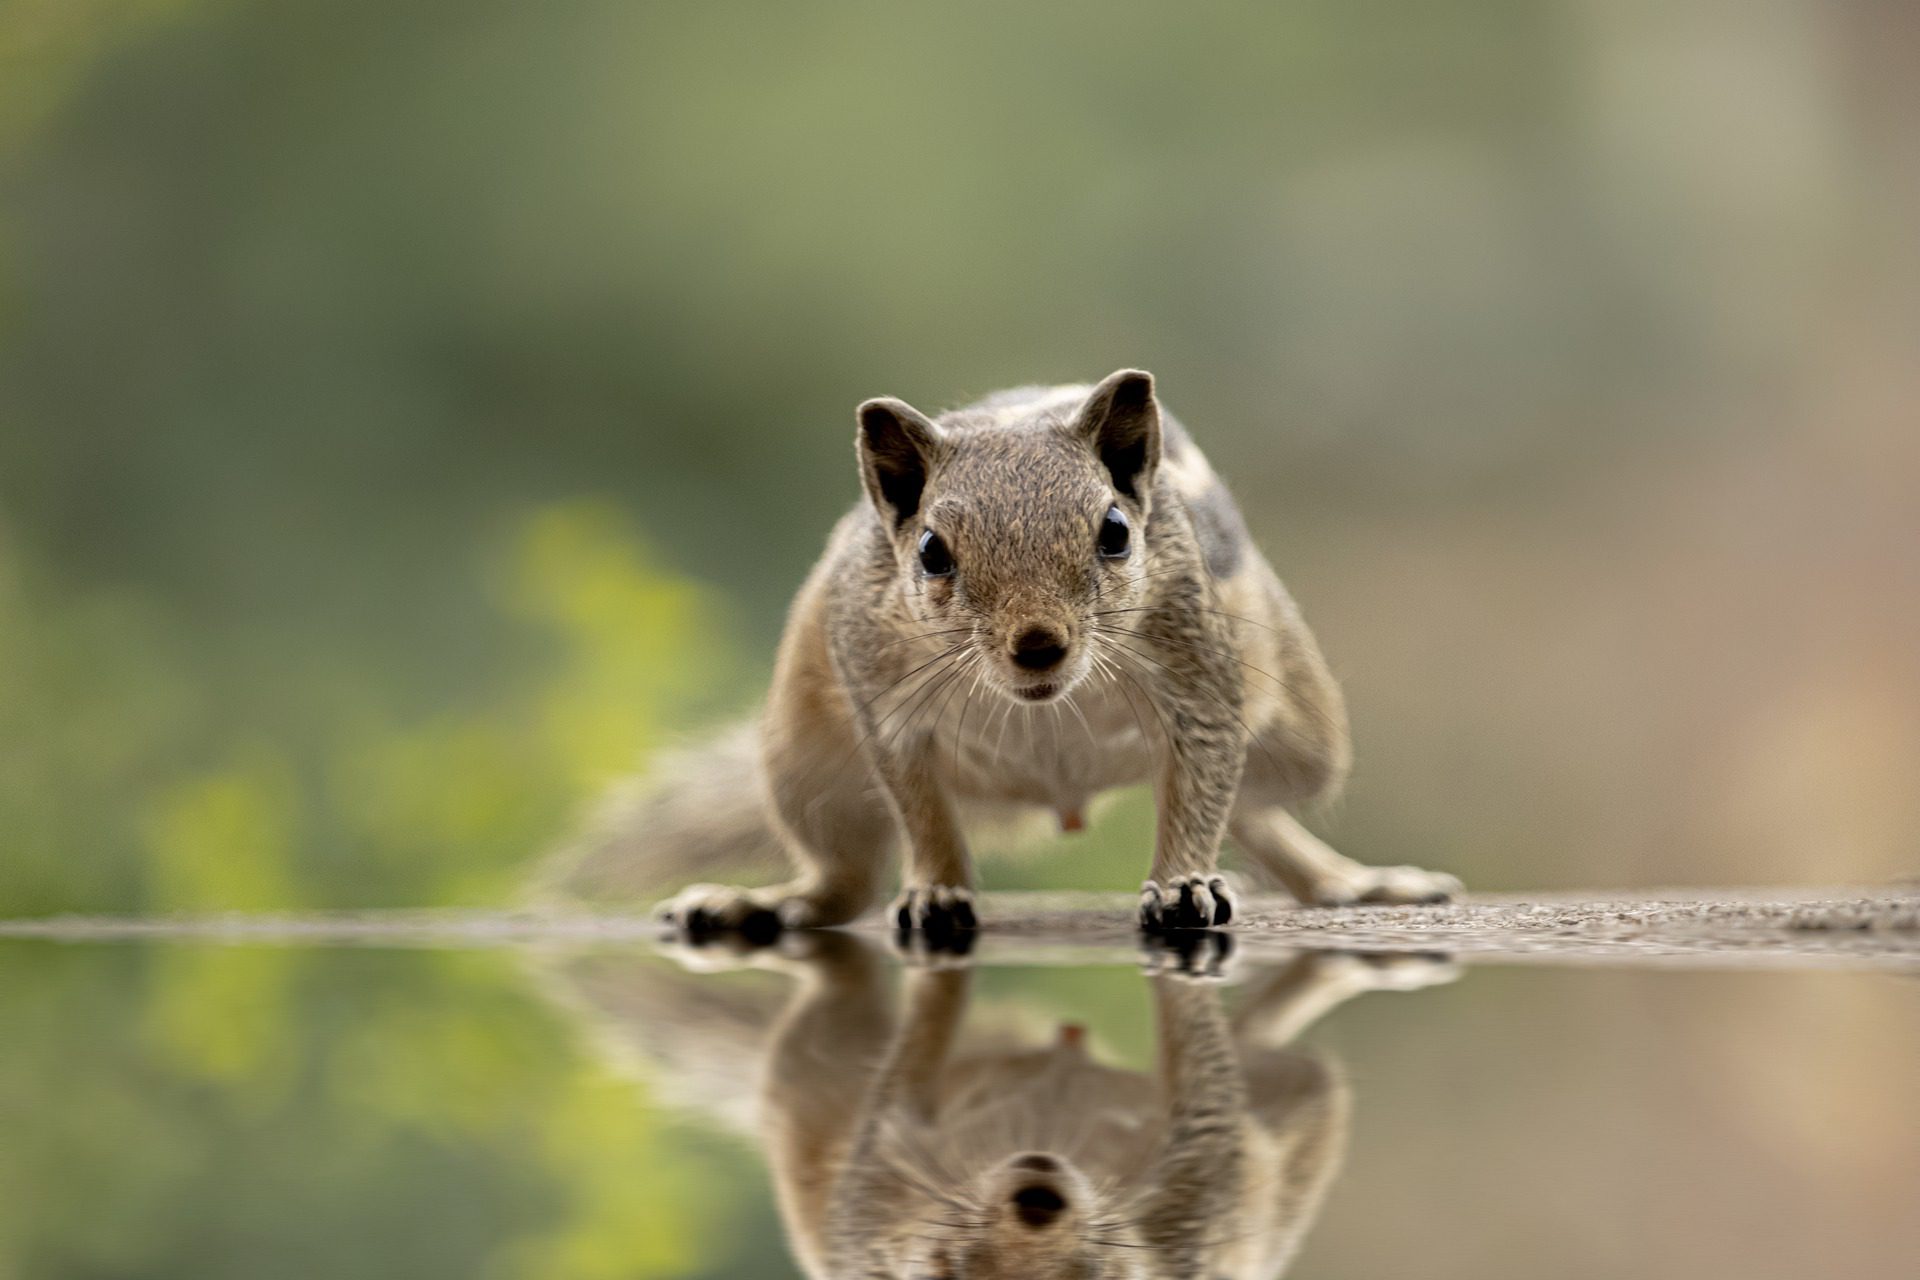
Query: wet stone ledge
pixel 1846 927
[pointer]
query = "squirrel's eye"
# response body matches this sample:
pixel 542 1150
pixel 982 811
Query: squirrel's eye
pixel 935 560
pixel 1116 535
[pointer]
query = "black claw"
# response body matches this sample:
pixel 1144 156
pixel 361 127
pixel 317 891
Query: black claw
pixel 1192 952
pixel 1169 952
pixel 935 939
pixel 699 920
pixel 938 924
pixel 936 919
pixel 1222 904
pixel 761 927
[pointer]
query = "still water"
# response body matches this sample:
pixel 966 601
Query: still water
pixel 198 1110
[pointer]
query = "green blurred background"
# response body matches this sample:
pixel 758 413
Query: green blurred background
pixel 410 413
pixel 413 412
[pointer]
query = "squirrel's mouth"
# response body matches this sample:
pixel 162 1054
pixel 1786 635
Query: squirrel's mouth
pixel 1049 684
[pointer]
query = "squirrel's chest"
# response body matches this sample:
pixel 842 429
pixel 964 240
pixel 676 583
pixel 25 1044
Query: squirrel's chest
pixel 1058 754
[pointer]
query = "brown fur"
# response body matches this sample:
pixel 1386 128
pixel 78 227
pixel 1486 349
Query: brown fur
pixel 899 701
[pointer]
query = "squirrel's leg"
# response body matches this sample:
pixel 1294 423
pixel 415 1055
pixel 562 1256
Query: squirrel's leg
pixel 839 835
pixel 936 893
pixel 1292 759
pixel 822 1060
pixel 828 810
pixel 936 1003
pixel 1288 998
pixel 1278 846
pixel 1200 1173
pixel 1193 793
pixel 869 1198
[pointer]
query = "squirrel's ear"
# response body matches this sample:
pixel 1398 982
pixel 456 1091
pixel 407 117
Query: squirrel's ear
pixel 897 444
pixel 1121 420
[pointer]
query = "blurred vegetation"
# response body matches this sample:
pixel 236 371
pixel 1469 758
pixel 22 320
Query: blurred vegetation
pixel 131 779
pixel 379 380
pixel 229 1112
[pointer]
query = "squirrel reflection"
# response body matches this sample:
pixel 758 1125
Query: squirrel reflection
pixel 903 1145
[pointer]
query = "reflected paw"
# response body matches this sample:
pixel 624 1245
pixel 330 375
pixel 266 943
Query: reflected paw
pixel 930 950
pixel 1187 902
pixel 1405 970
pixel 704 912
pixel 794 951
pixel 941 913
pixel 1201 955
pixel 1382 886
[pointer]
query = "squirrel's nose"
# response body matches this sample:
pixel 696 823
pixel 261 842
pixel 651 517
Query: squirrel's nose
pixel 1037 649
pixel 1038 1206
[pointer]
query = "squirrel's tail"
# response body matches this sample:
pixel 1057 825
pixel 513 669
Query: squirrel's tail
pixel 696 814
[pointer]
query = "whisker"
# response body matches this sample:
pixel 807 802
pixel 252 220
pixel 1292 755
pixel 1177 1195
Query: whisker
pixel 960 675
pixel 924 635
pixel 1252 738
pixel 1184 643
pixel 901 1175
pixel 1074 707
pixel 1186 606
pixel 960 731
pixel 1133 678
pixel 872 728
pixel 922 699
pixel 1104 666
pixel 1006 718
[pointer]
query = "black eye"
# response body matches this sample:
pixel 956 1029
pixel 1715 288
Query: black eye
pixel 1116 535
pixel 935 560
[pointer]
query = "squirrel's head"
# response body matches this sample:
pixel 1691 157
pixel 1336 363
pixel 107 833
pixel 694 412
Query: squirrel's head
pixel 1019 529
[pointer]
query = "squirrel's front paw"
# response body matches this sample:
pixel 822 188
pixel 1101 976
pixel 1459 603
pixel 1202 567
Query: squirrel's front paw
pixel 707 910
pixel 939 911
pixel 1187 902
pixel 1200 955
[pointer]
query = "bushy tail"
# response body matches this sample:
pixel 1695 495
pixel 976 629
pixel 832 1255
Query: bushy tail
pixel 696 814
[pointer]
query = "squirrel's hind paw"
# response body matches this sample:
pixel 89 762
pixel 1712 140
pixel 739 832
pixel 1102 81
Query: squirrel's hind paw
pixel 939 911
pixel 706 910
pixel 1388 886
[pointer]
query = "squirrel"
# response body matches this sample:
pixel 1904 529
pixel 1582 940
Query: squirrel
pixel 910 1133
pixel 1045 595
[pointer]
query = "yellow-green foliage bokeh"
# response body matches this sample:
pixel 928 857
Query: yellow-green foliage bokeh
pixel 121 790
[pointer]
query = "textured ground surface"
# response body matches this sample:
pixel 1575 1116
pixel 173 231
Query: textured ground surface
pixel 1875 928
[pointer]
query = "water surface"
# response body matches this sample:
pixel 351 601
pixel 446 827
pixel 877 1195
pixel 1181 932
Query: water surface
pixel 192 1109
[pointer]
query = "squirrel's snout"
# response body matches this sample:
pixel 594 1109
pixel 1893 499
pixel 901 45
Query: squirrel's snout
pixel 1039 649
pixel 1038 1206
pixel 1039 1195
